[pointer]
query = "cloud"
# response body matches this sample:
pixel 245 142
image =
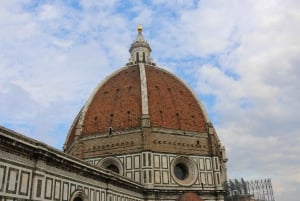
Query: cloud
pixel 256 118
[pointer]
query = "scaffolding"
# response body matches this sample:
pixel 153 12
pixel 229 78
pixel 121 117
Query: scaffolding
pixel 256 190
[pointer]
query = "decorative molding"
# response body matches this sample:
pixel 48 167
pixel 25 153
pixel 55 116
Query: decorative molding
pixel 24 182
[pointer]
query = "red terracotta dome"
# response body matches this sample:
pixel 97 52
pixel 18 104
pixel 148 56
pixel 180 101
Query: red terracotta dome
pixel 117 104
pixel 139 95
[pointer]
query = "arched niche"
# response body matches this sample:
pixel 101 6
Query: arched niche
pixel 79 195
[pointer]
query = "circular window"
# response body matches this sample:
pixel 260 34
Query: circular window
pixel 184 170
pixel 181 171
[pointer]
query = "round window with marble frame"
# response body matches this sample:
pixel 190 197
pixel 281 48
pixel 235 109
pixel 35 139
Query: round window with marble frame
pixel 113 164
pixel 184 170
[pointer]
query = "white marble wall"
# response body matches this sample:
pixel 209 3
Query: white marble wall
pixel 21 179
pixel 155 169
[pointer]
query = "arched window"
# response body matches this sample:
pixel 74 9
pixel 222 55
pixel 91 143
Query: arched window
pixel 113 168
pixel 113 164
pixel 79 195
pixel 78 199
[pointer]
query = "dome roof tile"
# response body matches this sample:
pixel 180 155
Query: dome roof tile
pixel 117 104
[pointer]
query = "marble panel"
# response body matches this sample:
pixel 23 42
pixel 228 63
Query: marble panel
pixel 217 178
pixel 208 163
pixel 164 162
pixel 98 198
pixel 92 194
pixel 39 186
pixel 103 196
pixel 216 164
pixel 57 189
pixel 128 163
pixel 201 164
pixel 157 179
pixel 203 177
pixel 209 178
pixel 65 191
pixel 48 188
pixel 12 180
pixel 165 177
pixel 86 190
pixel 149 159
pixel 129 175
pixel 156 161
pixel 24 183
pixel 2 177
pixel 150 176
pixel 137 162
pixel 137 176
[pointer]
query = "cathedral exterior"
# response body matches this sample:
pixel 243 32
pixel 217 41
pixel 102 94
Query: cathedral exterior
pixel 142 135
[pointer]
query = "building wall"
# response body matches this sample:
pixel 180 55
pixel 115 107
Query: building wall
pixel 31 172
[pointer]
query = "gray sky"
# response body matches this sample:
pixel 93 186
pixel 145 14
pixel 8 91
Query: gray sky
pixel 239 57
